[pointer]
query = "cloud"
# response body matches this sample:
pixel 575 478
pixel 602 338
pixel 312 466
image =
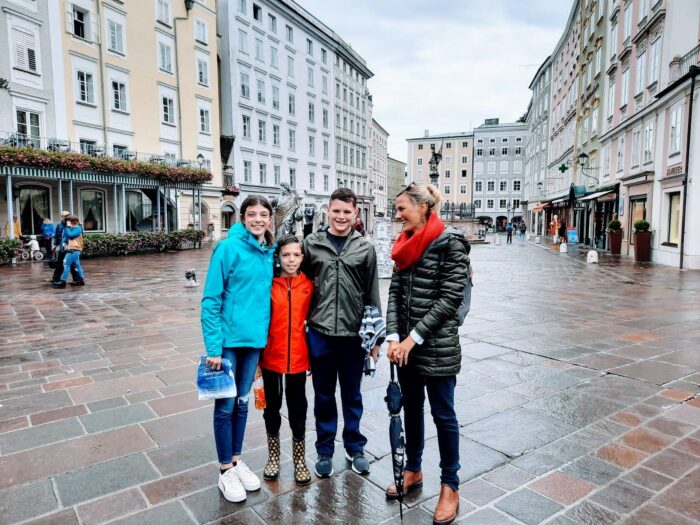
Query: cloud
pixel 446 66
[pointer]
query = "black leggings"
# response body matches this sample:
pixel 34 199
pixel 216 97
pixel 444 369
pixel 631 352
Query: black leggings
pixel 294 389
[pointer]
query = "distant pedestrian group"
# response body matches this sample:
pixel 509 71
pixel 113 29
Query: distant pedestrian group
pixel 66 247
pixel 294 306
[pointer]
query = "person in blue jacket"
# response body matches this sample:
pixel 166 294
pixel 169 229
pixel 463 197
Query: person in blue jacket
pixel 47 232
pixel 235 321
pixel 72 243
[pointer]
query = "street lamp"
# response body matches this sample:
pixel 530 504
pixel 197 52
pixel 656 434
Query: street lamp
pixel 189 4
pixel 200 160
pixel 583 161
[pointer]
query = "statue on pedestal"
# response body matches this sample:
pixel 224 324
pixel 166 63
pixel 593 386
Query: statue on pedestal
pixel 288 209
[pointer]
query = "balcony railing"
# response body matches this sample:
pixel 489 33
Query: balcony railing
pixel 691 58
pixel 22 140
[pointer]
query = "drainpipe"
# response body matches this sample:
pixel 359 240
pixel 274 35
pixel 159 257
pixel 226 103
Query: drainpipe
pixel 177 80
pixel 694 70
pixel 102 75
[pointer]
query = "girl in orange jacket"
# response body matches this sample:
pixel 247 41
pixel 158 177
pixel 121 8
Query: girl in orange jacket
pixel 285 359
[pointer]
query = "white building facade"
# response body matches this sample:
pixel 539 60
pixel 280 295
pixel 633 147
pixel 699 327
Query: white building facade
pixel 378 167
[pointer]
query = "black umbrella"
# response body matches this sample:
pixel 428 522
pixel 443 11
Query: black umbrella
pixel 394 402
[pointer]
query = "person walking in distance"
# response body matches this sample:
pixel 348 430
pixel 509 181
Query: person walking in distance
pixel 285 360
pixel 57 246
pixel 522 228
pixel 72 243
pixel 427 288
pixel 509 233
pixel 235 320
pixel 343 267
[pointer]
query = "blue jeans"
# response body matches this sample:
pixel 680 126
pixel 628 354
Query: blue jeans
pixel 342 360
pixel 441 394
pixel 231 414
pixel 521 236
pixel 72 259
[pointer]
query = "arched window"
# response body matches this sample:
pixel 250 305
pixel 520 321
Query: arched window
pixel 34 207
pixel 92 206
pixel 228 215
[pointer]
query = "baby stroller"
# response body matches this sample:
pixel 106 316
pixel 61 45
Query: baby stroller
pixel 30 248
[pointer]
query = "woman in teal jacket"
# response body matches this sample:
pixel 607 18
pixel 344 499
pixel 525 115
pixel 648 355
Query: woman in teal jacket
pixel 235 321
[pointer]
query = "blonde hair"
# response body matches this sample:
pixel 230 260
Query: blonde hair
pixel 423 193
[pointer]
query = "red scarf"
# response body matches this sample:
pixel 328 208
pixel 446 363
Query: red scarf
pixel 408 249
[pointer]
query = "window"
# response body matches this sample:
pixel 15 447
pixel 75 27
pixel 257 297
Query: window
pixel 516 185
pixel 598 59
pixel 636 138
pixel 324 56
pixel 276 170
pixel 275 97
pixel 491 185
pixel 80 22
pixel 641 73
pixel 491 167
pixel 448 145
pixel 654 61
pixel 116 37
pixel 275 135
pixel 447 190
pixel 492 152
pixel 312 112
pixel 245 85
pixel 620 153
pixel 293 177
pixel 202 72
pixel 447 174
pixel 324 84
pixel 312 146
pixel 674 218
pixel 492 141
pixel 87 146
pixel 502 203
pixel 479 152
pixel 464 159
pixel 309 46
pixel 463 189
pixel 86 89
pixel 262 173
pixel 325 182
pixel 164 11
pixel 247 171
pixel 325 149
pixel 25 49
pixel 504 151
pixel 292 139
pixel 259 55
pixel 611 99
pixel 242 41
pixel 290 66
pixel 200 31
pixel 420 146
pixel 516 204
pixel 28 125
pixel 518 150
pixel 594 122
pixel 292 104
pixel 257 13
pixel 504 139
pixel 272 23
pixel 674 141
pixel 503 185
pixel 648 142
pixel 92 204
pixel 325 117
pixel 606 160
pixel 420 161
pixel 625 87
pixel 628 21
pixel 261 91
pixel 345 94
pixel 168 105
pixel 204 121
pixel 464 173
pixel 477 203
pixel 489 204
pixel 310 76
pixel 246 127
pixel 165 61
pixel 613 40
pixel 465 144
pixel 118 96
pixel 262 131
pixel 312 181
pixel 290 34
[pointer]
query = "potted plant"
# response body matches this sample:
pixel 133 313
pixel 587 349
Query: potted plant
pixel 614 231
pixel 642 240
pixel 231 190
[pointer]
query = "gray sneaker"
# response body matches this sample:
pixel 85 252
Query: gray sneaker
pixel 324 466
pixel 360 464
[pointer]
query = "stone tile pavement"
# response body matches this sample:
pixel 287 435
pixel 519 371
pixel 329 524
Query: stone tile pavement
pixel 578 402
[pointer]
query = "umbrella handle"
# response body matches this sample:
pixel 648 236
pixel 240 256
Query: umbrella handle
pixel 392 367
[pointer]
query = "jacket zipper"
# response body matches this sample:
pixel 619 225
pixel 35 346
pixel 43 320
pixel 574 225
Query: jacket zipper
pixel 408 305
pixel 289 327
pixel 337 281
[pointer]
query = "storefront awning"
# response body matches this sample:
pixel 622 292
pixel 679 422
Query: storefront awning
pixel 596 195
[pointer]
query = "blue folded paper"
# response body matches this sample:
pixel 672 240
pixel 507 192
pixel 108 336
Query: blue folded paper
pixel 215 384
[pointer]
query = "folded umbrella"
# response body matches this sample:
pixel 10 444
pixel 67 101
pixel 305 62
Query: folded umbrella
pixel 394 402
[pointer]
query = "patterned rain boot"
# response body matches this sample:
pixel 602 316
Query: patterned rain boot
pixel 302 475
pixel 272 469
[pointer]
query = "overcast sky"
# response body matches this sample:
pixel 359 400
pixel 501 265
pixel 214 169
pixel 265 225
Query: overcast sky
pixel 446 65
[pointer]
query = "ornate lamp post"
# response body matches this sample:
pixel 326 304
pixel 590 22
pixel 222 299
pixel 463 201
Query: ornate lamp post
pixel 434 162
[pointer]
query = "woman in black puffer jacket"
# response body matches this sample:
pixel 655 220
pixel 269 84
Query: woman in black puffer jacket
pixel 427 286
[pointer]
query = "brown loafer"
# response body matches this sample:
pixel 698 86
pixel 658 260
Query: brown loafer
pixel 411 481
pixel 447 506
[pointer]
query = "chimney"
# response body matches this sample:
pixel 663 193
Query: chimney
pixel 426 133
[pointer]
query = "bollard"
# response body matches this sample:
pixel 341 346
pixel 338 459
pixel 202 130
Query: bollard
pixel 563 248
pixel 191 279
pixel 592 257
pixel 538 240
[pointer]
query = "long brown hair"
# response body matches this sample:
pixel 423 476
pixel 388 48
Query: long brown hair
pixel 255 200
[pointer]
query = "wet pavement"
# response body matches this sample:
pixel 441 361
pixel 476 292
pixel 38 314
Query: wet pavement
pixel 576 401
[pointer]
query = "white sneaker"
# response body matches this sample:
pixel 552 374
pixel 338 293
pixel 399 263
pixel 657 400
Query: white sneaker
pixel 249 480
pixel 231 487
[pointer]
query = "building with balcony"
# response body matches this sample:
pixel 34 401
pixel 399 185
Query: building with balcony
pixel 378 166
pixel 286 79
pixel 499 172
pixel 650 142
pixel 396 182
pixel 130 80
pixel 455 168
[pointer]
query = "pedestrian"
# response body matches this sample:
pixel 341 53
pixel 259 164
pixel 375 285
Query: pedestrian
pixel 16 228
pixel 522 228
pixel 509 233
pixel 47 232
pixel 285 360
pixel 343 267
pixel 358 226
pixel 427 287
pixel 72 243
pixel 60 251
pixel 235 320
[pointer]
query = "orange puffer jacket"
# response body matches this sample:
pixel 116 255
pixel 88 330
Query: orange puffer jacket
pixel 286 351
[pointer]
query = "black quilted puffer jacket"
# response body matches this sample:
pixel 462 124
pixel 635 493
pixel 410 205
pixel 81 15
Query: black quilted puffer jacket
pixel 426 298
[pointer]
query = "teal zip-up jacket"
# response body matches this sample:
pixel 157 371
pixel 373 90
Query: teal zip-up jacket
pixel 236 299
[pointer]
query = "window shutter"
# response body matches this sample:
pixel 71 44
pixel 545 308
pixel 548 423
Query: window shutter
pixel 20 49
pixel 31 57
pixel 95 26
pixel 113 44
pixel 69 17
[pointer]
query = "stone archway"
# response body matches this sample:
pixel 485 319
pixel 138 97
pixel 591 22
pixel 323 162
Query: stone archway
pixel 229 216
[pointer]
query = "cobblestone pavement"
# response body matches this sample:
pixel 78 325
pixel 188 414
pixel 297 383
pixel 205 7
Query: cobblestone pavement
pixel 576 402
